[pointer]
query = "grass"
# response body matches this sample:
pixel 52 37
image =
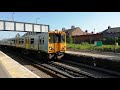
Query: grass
pixel 85 46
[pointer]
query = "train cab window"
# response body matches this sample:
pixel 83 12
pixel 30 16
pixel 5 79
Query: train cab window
pixel 32 41
pixel 51 38
pixel 62 38
pixel 57 38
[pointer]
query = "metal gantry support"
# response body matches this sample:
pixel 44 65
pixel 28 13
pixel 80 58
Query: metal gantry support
pixel 37 19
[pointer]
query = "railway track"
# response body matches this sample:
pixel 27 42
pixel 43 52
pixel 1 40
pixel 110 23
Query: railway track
pixel 72 72
pixel 66 68
pixel 110 73
pixel 33 62
pixel 57 70
pixel 51 68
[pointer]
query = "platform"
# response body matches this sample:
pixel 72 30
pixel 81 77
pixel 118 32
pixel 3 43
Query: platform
pixel 9 68
pixel 102 55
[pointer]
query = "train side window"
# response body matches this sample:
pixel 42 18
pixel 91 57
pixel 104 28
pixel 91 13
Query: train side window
pixel 12 41
pixel 19 41
pixel 43 40
pixel 40 41
pixel 22 41
pixel 32 41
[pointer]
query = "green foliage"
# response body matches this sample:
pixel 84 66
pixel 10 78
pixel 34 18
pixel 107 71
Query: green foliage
pixel 86 46
pixel 84 43
pixel 110 40
pixel 69 39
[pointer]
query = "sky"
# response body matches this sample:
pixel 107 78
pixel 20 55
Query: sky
pixel 58 20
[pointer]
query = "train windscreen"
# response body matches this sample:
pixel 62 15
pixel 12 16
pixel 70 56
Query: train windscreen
pixel 62 38
pixel 56 38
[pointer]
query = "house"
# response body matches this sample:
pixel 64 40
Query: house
pixel 73 31
pixel 108 33
pixel 111 30
pixel 90 38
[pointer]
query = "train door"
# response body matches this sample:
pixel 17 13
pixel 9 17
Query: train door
pixel 17 40
pixel 39 43
pixel 26 42
pixel 62 43
pixel 56 44
pixel 51 45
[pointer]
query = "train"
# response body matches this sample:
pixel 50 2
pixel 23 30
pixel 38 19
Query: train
pixel 47 45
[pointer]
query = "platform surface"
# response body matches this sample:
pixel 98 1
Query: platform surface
pixel 3 72
pixel 9 68
pixel 110 56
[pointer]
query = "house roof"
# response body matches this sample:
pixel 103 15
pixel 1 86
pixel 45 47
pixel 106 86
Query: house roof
pixel 112 30
pixel 71 30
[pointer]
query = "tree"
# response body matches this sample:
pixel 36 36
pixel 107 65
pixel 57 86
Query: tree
pixel 69 39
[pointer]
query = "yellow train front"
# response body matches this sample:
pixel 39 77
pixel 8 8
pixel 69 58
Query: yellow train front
pixel 57 44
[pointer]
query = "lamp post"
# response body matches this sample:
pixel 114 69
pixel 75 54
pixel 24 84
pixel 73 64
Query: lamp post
pixel 94 30
pixel 37 19
pixel 12 16
pixel 114 42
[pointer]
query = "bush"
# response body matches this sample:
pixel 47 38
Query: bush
pixel 86 46
pixel 69 40
pixel 84 43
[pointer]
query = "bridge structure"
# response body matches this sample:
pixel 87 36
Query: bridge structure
pixel 22 26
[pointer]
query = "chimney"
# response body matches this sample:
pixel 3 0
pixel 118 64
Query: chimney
pixel 86 31
pixel 63 29
pixel 72 27
pixel 109 27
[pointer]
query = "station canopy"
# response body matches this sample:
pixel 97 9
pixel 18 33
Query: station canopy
pixel 22 26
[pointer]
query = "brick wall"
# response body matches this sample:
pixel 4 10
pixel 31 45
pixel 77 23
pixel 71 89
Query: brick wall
pixel 87 38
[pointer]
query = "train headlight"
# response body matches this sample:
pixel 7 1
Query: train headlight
pixel 63 48
pixel 51 48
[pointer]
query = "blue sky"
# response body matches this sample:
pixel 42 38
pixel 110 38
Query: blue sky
pixel 57 20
